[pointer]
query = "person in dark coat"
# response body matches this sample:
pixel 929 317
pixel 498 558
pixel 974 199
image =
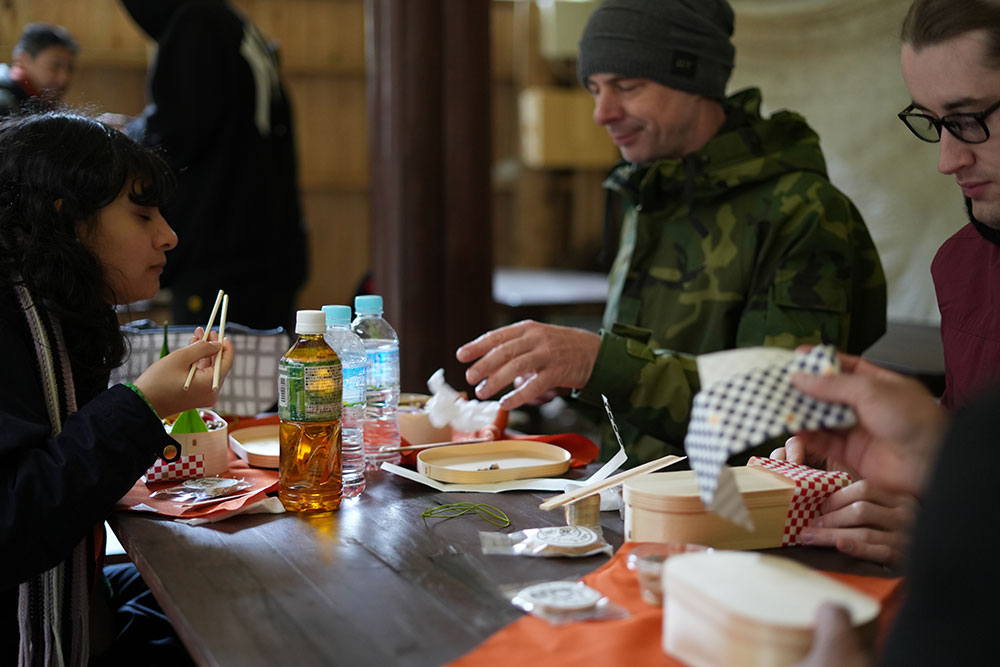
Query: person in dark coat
pixel 219 113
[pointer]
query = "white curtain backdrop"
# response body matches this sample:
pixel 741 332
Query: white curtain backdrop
pixel 837 63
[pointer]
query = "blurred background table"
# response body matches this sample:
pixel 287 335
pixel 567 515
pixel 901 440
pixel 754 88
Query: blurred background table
pixel 555 296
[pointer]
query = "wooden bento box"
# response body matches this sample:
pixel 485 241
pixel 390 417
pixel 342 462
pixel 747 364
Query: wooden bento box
pixel 666 507
pixel 739 609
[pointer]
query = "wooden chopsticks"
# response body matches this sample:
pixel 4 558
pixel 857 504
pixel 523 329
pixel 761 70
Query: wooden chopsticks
pixel 590 489
pixel 222 334
pixel 223 299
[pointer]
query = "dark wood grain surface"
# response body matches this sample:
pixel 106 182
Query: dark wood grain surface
pixel 370 584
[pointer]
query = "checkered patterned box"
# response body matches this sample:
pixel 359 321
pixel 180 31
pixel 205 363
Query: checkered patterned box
pixel 202 454
pixel 186 467
pixel 812 488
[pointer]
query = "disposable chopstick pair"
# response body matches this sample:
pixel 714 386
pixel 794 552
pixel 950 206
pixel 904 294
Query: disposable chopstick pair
pixel 223 299
pixel 222 334
pixel 590 489
pixel 430 445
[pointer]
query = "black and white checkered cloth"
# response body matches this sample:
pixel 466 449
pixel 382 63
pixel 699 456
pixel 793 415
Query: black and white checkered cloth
pixel 742 411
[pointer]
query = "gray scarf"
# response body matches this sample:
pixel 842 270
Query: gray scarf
pixel 52 607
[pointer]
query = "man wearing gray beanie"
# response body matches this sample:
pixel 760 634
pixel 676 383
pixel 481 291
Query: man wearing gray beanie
pixel 731 234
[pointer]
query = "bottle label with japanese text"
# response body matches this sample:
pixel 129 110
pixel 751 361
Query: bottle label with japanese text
pixel 309 390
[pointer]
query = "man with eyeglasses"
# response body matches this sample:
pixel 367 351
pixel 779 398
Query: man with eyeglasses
pixel 951 66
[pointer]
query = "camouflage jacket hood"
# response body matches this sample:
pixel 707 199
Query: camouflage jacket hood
pixel 747 149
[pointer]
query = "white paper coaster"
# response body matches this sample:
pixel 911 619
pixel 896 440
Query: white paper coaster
pixel 560 596
pixel 567 536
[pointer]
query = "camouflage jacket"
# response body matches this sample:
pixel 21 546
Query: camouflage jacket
pixel 744 242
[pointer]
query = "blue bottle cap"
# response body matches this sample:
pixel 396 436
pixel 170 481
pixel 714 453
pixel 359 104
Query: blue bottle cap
pixel 337 315
pixel 369 304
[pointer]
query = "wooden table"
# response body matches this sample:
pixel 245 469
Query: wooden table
pixel 371 584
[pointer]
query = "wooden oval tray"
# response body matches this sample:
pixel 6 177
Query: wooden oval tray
pixel 514 459
pixel 257 445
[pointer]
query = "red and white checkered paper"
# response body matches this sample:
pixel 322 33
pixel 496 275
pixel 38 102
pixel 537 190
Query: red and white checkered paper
pixel 186 467
pixel 812 487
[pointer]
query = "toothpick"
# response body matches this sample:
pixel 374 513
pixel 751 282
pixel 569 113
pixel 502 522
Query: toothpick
pixel 222 333
pixel 208 327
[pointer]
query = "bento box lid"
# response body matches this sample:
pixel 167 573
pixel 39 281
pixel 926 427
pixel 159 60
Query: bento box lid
pixel 760 592
pixel 678 491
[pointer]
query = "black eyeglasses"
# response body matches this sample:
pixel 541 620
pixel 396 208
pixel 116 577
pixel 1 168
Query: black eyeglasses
pixel 967 127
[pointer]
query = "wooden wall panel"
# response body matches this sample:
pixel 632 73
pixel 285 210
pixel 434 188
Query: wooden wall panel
pixel 503 213
pixel 331 131
pixel 337 223
pixel 98 88
pixel 538 228
pixel 502 40
pixel 505 122
pixel 586 217
pixel 324 36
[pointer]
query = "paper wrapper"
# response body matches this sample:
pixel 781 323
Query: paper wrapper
pixel 264 481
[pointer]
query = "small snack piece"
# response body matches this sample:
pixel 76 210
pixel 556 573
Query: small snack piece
pixel 553 541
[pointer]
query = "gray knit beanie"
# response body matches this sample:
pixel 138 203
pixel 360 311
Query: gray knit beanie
pixel 683 44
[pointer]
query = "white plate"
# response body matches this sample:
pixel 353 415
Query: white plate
pixel 257 445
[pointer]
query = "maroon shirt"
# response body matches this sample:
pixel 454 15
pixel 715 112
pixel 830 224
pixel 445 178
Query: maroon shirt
pixel 966 272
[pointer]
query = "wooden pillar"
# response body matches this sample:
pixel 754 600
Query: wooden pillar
pixel 429 110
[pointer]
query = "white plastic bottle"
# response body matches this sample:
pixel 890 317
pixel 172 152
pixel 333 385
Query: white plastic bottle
pixel 382 346
pixel 354 364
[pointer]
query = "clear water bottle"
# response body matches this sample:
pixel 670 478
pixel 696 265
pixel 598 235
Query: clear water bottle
pixel 353 363
pixel 382 347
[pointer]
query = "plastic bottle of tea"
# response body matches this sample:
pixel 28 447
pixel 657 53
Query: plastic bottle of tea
pixel 310 402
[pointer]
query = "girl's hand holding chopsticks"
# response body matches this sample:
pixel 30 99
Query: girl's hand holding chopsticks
pixel 163 382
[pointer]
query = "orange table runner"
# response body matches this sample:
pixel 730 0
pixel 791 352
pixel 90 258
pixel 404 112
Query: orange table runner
pixel 633 640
